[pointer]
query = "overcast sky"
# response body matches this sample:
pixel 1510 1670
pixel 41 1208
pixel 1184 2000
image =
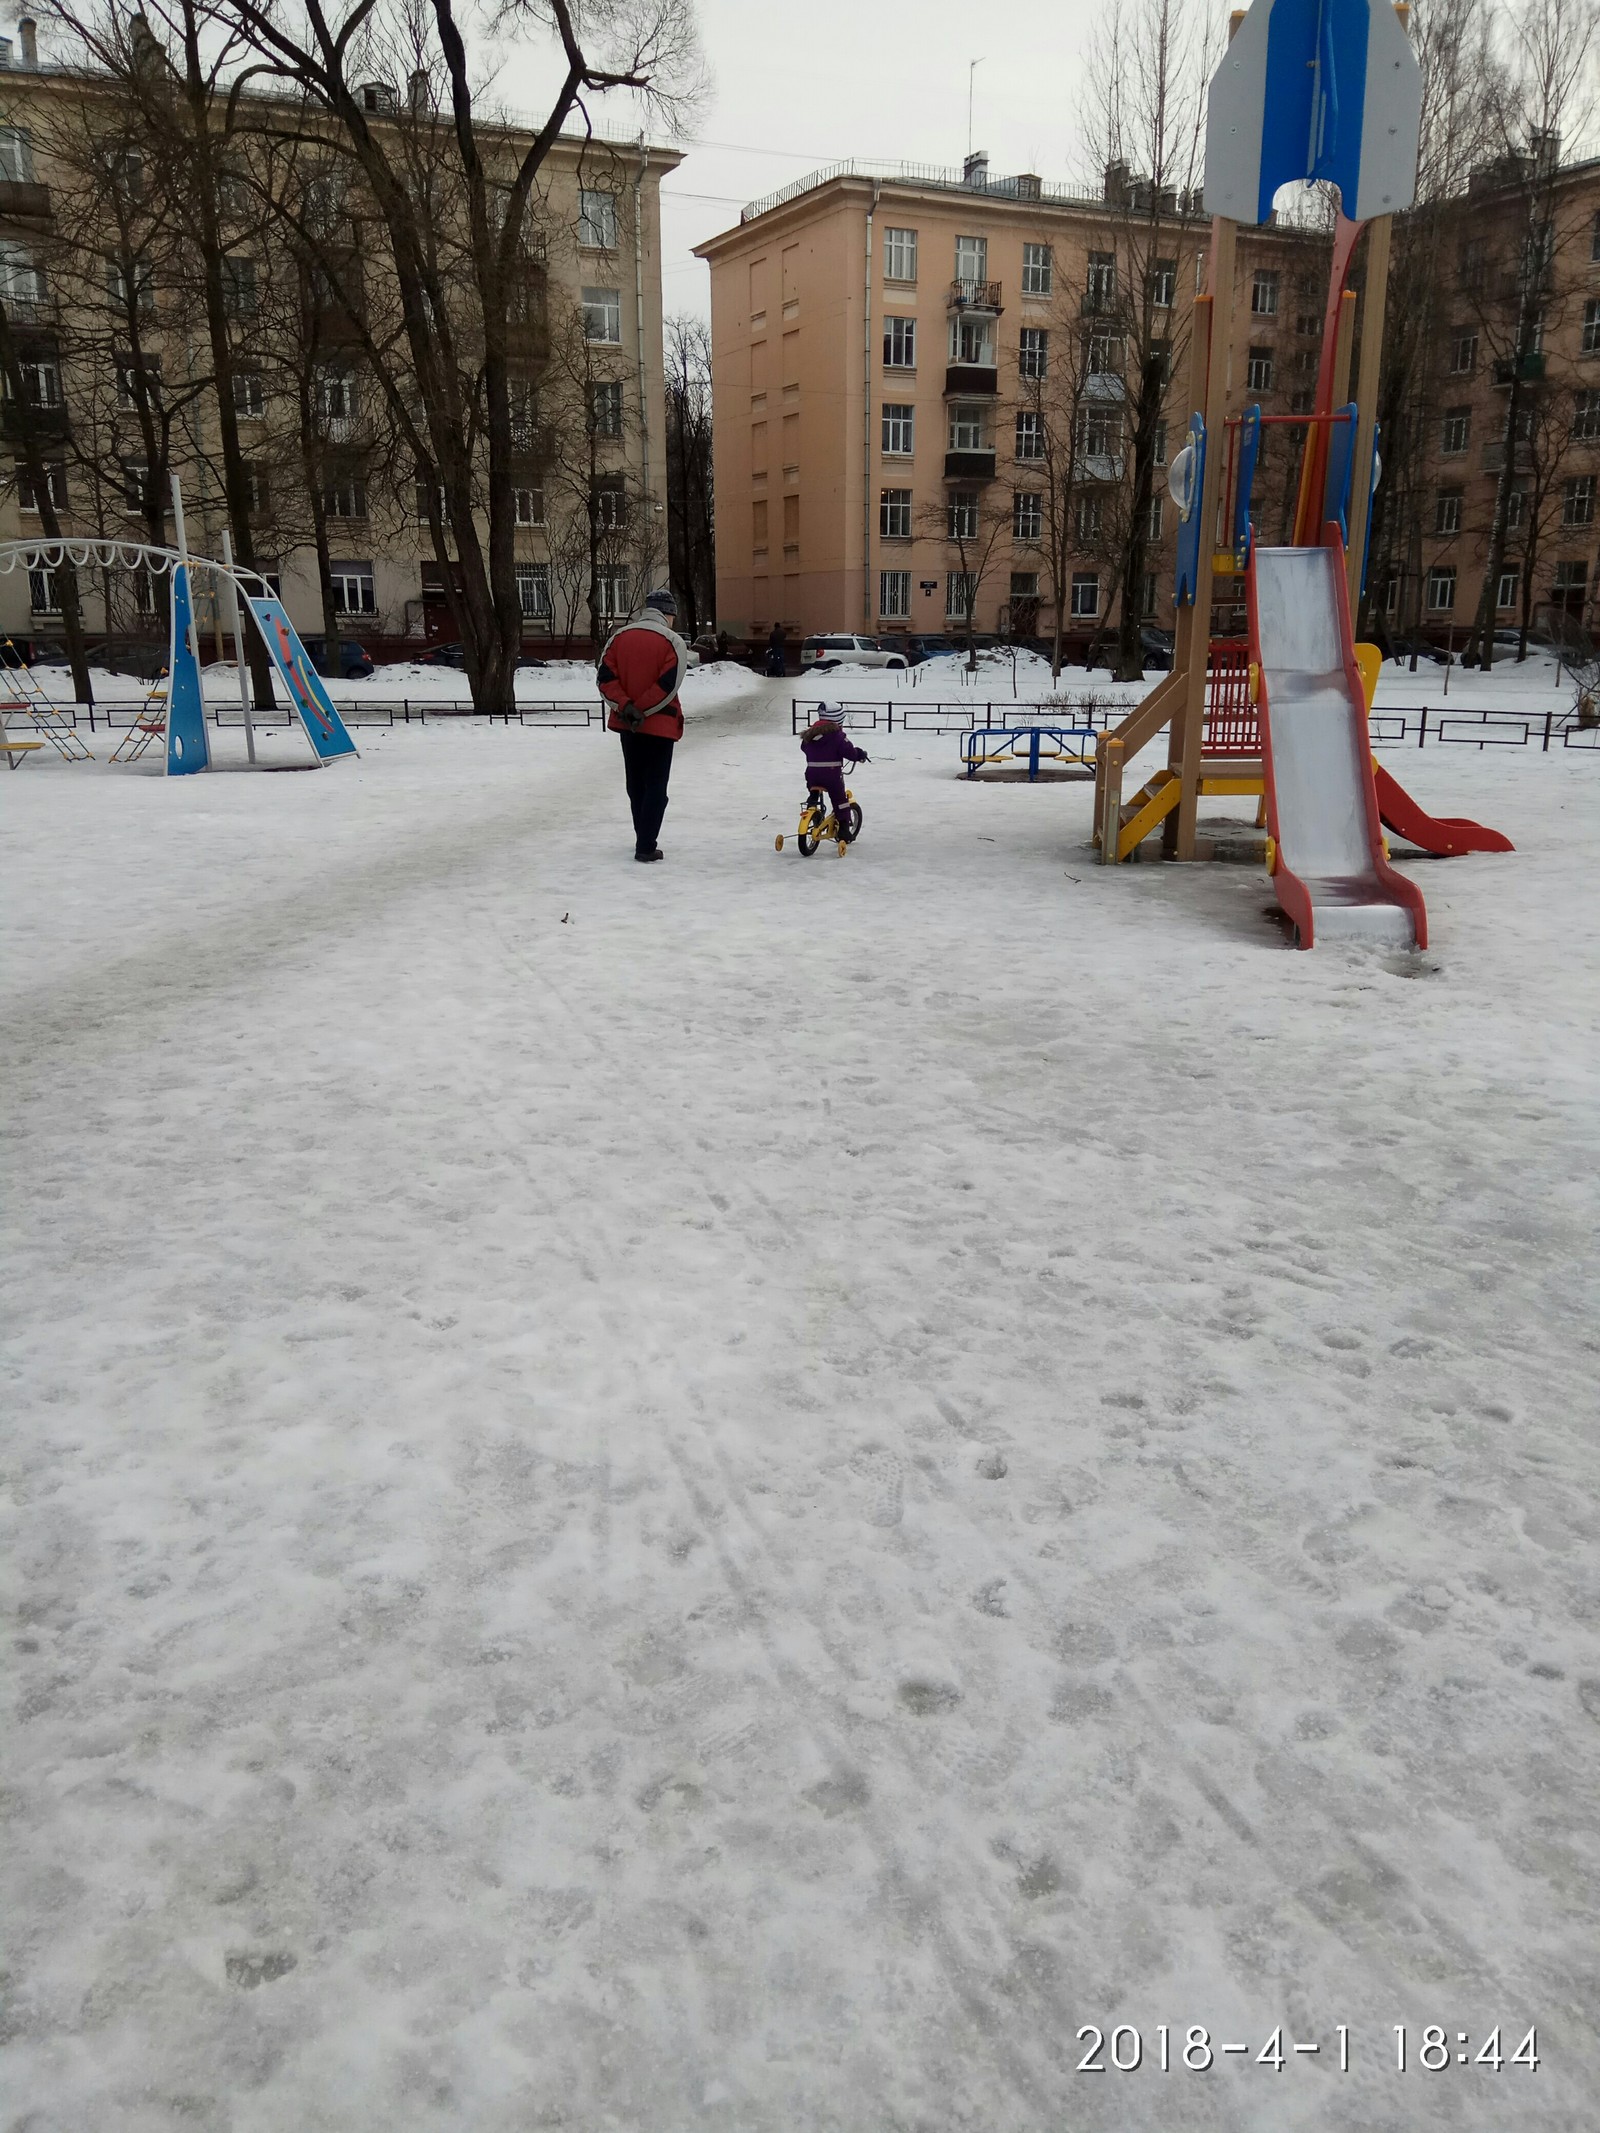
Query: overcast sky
pixel 804 84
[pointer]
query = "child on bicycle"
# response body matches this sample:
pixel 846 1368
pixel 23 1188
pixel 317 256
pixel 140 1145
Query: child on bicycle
pixel 827 749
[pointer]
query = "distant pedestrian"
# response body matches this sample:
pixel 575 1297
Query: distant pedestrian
pixel 776 655
pixel 640 673
pixel 722 644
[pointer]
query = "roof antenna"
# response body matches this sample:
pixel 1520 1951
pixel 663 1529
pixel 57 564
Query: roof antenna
pixel 971 71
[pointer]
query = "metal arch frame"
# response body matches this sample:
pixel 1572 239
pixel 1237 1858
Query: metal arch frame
pixel 95 553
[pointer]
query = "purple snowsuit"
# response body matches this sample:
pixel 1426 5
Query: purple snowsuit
pixel 827 750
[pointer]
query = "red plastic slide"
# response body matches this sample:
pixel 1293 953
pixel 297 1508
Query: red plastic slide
pixel 1446 836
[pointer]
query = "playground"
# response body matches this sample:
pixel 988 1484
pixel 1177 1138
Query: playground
pixel 739 1494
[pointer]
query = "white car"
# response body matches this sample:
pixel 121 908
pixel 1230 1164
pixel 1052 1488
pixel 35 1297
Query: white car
pixel 822 653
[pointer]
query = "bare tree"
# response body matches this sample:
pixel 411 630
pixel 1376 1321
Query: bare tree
pixel 690 522
pixel 451 198
pixel 1053 383
pixel 1549 93
pixel 1143 116
pixel 971 524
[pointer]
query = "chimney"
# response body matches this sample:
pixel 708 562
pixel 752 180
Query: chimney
pixel 28 40
pixel 975 171
pixel 417 90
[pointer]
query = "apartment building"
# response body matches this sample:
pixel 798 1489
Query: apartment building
pixel 105 316
pixel 878 334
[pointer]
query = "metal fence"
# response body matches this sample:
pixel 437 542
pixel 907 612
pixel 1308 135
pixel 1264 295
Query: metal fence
pixel 1395 728
pixel 388 711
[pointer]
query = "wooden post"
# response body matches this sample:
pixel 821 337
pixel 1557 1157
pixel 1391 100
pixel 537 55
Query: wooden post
pixel 1219 338
pixel 1372 319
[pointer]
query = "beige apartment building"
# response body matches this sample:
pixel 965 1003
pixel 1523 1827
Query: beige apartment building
pixel 104 375
pixel 875 331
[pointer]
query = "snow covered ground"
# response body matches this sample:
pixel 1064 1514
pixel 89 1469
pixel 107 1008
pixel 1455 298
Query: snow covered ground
pixel 737 1495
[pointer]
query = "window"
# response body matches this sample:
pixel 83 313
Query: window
pixel 900 343
pixel 1591 326
pixel 899 255
pixel 758 525
pixel 1024 585
pixel 353 592
pixel 602 315
pixel 1577 501
pixel 333 400
pixel 1087 518
pixel 958 595
pixel 1148 594
pixel 1470 263
pixel 1457 429
pixel 1100 293
pixel 597 221
pixel 610 503
pixel 898 420
pixel 1508 589
pixel 41 382
pixel 432 499
pixel 16 156
pixel 1030 434
pixel 1027 515
pixel 1099 432
pixel 1308 324
pixel 255 488
pixel 324 201
pixel 1152 527
pixel 1441 589
pixel 22 282
pixel 1463 355
pixel 129 374
pixel 894 595
pixel 1163 283
pixel 611 594
pixel 1516 508
pixel 1085 594
pixel 894 514
pixel 1161 444
pixel 966 427
pixel 527 507
pixel 1570 579
pixel 1104 355
pixel 523 410
pixel 972 260
pixel 379 97
pixel 972 340
pixel 605 408
pixel 1594 238
pixel 963 515
pixel 533 591
pixel 1036 270
pixel 127 175
pixel 239 294
pixel 55 481
pixel 1586 416
pixel 44 592
pixel 1264 294
pixel 249 394
pixel 1033 353
pixel 1258 370
pixel 345 496
pixel 135 487
pixel 1447 511
pixel 1161 361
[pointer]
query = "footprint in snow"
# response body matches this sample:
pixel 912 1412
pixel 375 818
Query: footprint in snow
pixel 884 1476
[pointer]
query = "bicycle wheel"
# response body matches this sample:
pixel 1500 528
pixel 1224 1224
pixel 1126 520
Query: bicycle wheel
pixel 850 822
pixel 807 837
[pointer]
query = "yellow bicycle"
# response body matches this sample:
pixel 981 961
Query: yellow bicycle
pixel 821 823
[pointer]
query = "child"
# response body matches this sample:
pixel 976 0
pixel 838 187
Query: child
pixel 827 750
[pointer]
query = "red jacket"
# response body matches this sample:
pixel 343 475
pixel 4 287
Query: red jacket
pixel 643 664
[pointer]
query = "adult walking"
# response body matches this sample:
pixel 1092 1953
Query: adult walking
pixel 640 673
pixel 777 652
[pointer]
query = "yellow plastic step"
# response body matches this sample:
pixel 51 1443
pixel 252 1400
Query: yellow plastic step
pixel 1147 810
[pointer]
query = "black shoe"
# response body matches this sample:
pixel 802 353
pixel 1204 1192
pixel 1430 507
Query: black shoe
pixel 655 852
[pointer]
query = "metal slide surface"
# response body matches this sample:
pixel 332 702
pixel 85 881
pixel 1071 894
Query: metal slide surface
pixel 1331 876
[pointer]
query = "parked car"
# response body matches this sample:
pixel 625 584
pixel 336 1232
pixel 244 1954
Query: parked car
pixel 1155 647
pixel 917 649
pixel 1402 647
pixel 353 661
pixel 442 655
pixel 822 653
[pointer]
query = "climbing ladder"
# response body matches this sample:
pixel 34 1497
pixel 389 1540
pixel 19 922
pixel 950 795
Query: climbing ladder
pixel 24 694
pixel 149 724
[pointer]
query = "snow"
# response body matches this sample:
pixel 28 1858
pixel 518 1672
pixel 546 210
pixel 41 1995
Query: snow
pixel 736 1495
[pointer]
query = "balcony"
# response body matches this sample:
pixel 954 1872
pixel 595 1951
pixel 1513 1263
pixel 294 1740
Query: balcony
pixel 1098 303
pixel 975 296
pixel 47 423
pixel 970 465
pixel 969 380
pixel 1105 386
pixel 1529 368
pixel 24 203
pixel 1494 457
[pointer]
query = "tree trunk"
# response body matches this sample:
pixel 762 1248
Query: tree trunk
pixel 31 447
